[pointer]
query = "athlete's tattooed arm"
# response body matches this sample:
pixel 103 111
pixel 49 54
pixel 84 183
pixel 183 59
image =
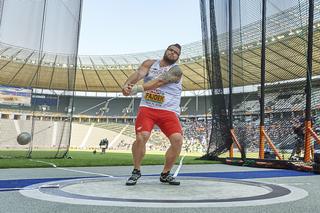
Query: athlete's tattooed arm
pixel 171 76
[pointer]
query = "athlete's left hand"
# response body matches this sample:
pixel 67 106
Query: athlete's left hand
pixel 136 89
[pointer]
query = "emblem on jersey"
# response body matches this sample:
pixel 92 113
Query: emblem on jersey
pixel 154 96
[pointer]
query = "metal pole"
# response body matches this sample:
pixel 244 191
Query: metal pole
pixel 263 79
pixel 230 65
pixel 308 124
pixel 230 110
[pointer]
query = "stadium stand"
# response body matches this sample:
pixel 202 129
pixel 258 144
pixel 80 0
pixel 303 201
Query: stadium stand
pixel 118 120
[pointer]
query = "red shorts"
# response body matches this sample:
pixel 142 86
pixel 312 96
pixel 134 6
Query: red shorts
pixel 166 120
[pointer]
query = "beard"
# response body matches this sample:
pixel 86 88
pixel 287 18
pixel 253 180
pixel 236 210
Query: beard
pixel 168 60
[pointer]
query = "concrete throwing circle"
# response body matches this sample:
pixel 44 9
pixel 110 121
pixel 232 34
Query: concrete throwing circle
pixel 149 192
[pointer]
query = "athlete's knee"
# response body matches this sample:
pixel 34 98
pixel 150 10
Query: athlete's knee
pixel 179 143
pixel 176 140
pixel 142 137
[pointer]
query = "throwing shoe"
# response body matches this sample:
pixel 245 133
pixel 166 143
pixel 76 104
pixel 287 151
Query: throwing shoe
pixel 136 174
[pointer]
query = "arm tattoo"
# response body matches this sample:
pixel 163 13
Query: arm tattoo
pixel 172 75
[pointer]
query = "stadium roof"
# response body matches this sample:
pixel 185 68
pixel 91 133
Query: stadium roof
pixel 286 60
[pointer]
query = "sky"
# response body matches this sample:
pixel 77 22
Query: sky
pixel 130 26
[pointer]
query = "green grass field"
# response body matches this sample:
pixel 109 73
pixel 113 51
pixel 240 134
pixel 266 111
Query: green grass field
pixel 87 158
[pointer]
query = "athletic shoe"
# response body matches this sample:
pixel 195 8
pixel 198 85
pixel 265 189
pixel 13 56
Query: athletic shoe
pixel 168 178
pixel 136 174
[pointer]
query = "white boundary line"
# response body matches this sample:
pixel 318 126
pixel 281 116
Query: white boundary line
pixel 118 136
pixel 54 134
pixel 85 172
pixel 86 137
pixel 180 165
pixel 72 170
pixel 17 126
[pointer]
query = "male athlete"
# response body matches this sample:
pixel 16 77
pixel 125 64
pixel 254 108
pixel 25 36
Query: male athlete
pixel 160 105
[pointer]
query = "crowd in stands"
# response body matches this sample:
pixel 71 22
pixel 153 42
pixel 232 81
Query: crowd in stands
pixel 281 131
pixel 288 101
pixel 195 134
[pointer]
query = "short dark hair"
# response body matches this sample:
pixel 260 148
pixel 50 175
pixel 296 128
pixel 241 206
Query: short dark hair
pixel 176 45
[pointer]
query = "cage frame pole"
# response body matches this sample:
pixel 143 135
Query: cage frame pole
pixel 308 87
pixel 230 71
pixel 273 147
pixel 263 135
pixel 263 79
pixel 235 140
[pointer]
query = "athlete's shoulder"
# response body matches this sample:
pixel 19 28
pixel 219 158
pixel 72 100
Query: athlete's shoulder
pixel 148 63
pixel 176 70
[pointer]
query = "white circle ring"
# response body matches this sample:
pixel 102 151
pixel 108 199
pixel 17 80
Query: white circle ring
pixel 193 192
